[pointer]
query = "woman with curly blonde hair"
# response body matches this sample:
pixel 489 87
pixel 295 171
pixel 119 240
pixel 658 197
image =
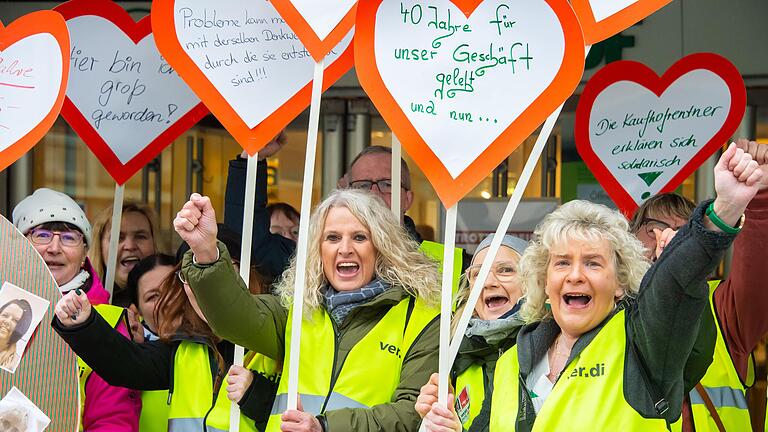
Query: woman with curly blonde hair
pixel 608 345
pixel 370 330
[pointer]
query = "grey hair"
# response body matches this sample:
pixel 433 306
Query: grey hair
pixel 399 262
pixel 586 221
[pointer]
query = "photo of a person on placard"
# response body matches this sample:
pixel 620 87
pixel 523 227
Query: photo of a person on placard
pixel 15 319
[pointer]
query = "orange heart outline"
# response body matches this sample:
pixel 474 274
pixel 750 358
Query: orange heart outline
pixel 448 189
pixel 52 23
pixel 319 48
pixel 595 32
pixel 251 140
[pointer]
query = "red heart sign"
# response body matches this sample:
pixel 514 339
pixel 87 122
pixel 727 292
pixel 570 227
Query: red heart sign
pixel 123 99
pixel 320 25
pixel 641 134
pixel 34 65
pixel 244 62
pixel 461 93
pixel 601 19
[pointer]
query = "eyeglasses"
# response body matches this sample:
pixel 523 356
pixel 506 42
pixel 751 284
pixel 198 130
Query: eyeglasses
pixel 504 272
pixel 67 238
pixel 182 278
pixel 649 224
pixel 384 185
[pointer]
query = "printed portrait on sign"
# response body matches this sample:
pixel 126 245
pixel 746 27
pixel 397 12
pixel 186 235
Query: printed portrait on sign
pixel 19 414
pixel 20 314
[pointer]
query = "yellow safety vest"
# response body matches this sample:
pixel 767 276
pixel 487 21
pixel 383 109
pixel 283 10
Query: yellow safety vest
pixel 371 371
pixel 436 251
pixel 588 396
pixel 470 393
pixel 112 315
pixel 724 387
pixel 193 390
pixel 154 411
pixel 218 418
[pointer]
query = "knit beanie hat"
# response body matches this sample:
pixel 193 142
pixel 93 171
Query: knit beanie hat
pixel 515 243
pixel 46 205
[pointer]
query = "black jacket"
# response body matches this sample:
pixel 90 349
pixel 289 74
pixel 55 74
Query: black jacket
pixel 149 366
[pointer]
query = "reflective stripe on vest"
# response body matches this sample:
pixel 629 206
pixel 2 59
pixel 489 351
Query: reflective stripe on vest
pixel 723 385
pixel 218 418
pixel 436 251
pixel 192 396
pixel 154 411
pixel 590 392
pixel 112 315
pixel 371 372
pixel 470 392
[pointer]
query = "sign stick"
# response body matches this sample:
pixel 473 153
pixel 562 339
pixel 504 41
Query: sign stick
pixel 506 219
pixel 446 302
pixel 301 246
pixel 396 178
pixel 114 238
pixel 245 265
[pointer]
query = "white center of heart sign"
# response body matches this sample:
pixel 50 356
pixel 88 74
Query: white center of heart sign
pixel 461 82
pixel 126 91
pixel 602 9
pixel 323 16
pixel 644 140
pixel 30 80
pixel 247 52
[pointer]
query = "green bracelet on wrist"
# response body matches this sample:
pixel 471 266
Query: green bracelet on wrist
pixel 721 223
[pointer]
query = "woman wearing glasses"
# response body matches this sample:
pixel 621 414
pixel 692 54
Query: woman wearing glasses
pixel 490 332
pixel 61 234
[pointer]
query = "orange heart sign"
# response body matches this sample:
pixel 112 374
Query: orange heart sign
pixel 641 134
pixel 123 99
pixel 244 62
pixel 34 66
pixel 462 92
pixel 601 19
pixel 319 24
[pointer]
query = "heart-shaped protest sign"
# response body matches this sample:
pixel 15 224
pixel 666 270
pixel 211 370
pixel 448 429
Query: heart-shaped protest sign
pixel 641 134
pixel 123 99
pixel 462 93
pixel 244 62
pixel 601 19
pixel 34 63
pixel 320 25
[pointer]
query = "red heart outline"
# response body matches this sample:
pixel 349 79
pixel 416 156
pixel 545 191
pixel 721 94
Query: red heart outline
pixel 136 31
pixel 448 189
pixel 252 140
pixel 641 74
pixel 595 32
pixel 48 22
pixel 319 48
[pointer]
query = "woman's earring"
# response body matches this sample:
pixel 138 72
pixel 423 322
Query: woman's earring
pixel 547 305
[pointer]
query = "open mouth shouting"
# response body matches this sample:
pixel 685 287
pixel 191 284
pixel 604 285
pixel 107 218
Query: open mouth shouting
pixel 576 300
pixel 129 262
pixel 347 269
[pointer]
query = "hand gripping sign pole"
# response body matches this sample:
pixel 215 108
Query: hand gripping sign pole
pixel 245 266
pixel 301 246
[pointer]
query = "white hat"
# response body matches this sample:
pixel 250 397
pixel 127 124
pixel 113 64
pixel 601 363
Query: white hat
pixel 46 205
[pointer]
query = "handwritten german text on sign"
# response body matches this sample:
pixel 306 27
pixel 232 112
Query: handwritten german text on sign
pixel 123 98
pixel 471 89
pixel 32 80
pixel 642 135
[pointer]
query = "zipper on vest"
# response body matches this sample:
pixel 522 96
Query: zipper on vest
pixel 334 374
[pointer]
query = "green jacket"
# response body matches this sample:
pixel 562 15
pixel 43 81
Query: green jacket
pixel 258 323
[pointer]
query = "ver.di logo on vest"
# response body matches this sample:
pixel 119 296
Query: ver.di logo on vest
pixel 390 349
pixel 597 371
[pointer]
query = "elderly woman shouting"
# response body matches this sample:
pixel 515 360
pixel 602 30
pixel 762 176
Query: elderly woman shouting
pixel 604 351
pixel 369 334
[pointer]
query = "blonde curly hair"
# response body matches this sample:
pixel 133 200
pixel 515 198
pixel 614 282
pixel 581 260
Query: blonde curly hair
pixel 399 262
pixel 584 221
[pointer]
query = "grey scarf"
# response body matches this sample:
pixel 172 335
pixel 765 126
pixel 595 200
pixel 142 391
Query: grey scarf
pixel 494 331
pixel 340 303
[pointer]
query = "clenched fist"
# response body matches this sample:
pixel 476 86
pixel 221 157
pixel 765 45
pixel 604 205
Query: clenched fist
pixel 196 225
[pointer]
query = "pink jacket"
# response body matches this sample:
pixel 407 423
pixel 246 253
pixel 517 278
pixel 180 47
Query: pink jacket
pixel 108 408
